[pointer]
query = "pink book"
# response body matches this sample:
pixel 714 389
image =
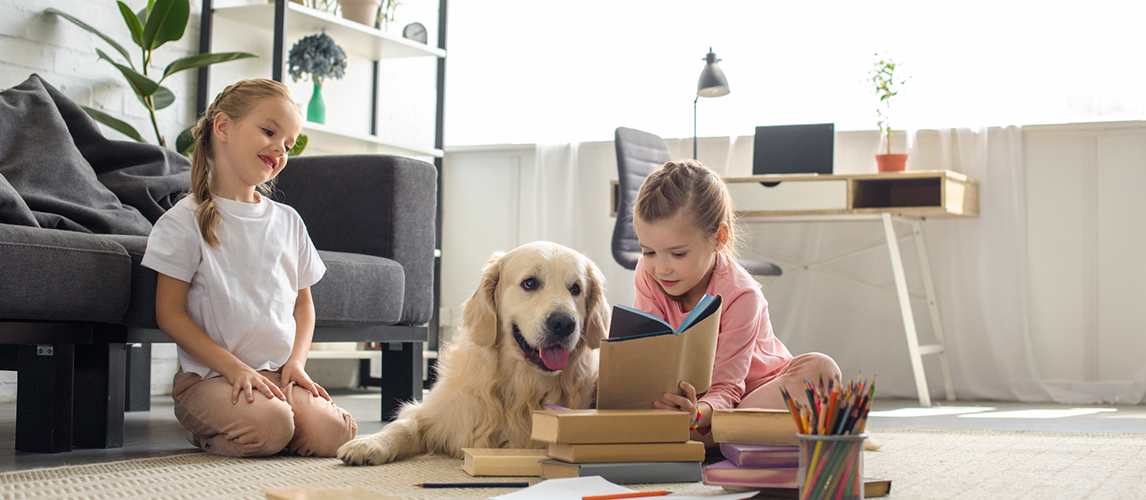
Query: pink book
pixel 727 473
pixel 761 456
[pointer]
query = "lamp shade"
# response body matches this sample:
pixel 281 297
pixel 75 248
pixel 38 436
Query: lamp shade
pixel 712 81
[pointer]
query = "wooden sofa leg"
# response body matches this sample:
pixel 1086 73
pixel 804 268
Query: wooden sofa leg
pixel 138 391
pixel 401 376
pixel 44 398
pixel 100 371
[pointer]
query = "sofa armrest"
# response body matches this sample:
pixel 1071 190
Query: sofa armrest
pixel 371 204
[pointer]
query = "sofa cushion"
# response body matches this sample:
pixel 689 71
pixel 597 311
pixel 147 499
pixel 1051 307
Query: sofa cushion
pixel 55 275
pixel 356 290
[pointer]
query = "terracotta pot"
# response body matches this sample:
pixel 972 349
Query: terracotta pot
pixel 891 163
pixel 361 11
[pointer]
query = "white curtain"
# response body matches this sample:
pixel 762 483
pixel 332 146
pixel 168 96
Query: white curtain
pixel 557 195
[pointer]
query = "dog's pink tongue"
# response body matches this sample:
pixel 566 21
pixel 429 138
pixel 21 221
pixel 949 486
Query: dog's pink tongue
pixel 555 358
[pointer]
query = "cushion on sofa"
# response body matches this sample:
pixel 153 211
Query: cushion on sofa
pixel 358 289
pixel 62 276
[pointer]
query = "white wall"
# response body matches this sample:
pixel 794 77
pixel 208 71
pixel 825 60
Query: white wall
pixel 1085 240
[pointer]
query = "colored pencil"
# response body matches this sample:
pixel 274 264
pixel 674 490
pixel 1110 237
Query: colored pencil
pixel 635 494
pixel 474 485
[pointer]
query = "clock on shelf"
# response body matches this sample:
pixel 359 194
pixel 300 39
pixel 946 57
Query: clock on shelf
pixel 415 31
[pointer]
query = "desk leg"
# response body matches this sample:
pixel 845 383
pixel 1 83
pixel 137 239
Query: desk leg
pixel 905 309
pixel 933 304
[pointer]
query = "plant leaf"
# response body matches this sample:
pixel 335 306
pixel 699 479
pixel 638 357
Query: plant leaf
pixel 299 145
pixel 114 123
pixel 185 143
pixel 142 85
pixel 132 22
pixel 119 48
pixel 200 60
pixel 162 98
pixel 165 23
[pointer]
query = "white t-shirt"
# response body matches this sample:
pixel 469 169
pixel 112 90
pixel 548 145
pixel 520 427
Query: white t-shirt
pixel 243 291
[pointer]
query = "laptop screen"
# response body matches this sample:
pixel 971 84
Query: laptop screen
pixel 793 149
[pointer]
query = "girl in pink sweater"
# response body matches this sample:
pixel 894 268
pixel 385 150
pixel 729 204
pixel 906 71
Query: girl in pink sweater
pixel 684 219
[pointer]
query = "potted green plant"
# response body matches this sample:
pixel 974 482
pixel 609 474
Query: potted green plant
pixel 321 58
pixel 160 22
pixel 886 87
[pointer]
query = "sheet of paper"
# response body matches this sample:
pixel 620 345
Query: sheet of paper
pixel 572 488
pixel 575 488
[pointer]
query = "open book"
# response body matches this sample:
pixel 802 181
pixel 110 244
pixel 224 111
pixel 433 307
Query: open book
pixel 644 357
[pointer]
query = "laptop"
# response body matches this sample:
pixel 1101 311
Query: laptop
pixel 793 149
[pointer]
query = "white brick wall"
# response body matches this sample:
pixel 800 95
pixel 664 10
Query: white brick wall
pixel 64 55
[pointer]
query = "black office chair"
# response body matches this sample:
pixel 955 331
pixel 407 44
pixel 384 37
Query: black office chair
pixel 638 154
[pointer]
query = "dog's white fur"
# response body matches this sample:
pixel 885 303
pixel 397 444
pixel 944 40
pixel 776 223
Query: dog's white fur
pixel 487 385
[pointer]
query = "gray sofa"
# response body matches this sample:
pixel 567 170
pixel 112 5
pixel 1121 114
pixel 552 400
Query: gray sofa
pixel 77 310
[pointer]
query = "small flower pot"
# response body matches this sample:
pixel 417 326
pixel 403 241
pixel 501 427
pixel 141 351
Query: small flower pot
pixel 891 163
pixel 361 11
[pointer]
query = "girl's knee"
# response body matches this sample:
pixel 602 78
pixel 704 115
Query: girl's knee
pixel 269 432
pixel 812 365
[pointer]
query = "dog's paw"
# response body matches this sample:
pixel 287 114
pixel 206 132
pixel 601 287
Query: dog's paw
pixel 367 450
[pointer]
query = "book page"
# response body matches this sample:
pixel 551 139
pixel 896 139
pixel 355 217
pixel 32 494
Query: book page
pixel 630 322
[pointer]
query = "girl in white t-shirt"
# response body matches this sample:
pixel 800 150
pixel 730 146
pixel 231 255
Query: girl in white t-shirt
pixel 235 271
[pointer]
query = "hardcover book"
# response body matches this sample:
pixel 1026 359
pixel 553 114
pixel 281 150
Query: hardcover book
pixel 754 426
pixel 502 461
pixel 625 472
pixel 610 426
pixel 872 488
pixel 692 451
pixel 761 456
pixel 644 357
pixel 727 473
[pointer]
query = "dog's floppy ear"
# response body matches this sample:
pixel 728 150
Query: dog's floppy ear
pixel 597 312
pixel 479 313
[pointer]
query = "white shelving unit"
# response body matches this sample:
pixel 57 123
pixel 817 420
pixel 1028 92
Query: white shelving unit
pixel 355 39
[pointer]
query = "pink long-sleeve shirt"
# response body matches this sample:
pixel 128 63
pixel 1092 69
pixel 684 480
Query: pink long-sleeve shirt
pixel 747 353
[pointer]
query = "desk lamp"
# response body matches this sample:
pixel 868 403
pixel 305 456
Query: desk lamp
pixel 712 83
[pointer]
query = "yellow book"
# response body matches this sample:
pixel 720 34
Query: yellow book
pixel 691 451
pixel 502 461
pixel 644 357
pixel 610 426
pixel 754 426
pixel 325 494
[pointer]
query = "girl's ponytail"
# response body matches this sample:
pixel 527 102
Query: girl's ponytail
pixel 206 213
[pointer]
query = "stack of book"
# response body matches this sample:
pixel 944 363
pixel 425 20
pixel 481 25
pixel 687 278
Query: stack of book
pixel 763 453
pixel 622 446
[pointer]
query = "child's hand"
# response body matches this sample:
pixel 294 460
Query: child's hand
pixel 686 403
pixel 293 372
pixel 246 379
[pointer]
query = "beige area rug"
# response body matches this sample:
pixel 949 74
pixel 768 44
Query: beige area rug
pixel 922 464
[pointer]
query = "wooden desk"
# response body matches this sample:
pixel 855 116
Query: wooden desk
pixel 908 197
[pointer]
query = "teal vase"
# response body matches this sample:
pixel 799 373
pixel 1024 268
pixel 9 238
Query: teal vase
pixel 316 110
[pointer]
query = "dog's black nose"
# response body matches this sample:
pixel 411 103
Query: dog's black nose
pixel 561 324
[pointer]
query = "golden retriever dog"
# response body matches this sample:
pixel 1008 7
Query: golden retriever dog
pixel 529 336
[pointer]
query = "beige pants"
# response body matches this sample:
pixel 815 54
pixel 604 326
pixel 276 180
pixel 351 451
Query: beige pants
pixel 766 393
pixel 303 424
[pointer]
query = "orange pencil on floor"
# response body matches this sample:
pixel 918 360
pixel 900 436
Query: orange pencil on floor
pixel 635 494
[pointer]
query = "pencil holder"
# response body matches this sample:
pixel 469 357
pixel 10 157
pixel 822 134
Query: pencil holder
pixel 831 466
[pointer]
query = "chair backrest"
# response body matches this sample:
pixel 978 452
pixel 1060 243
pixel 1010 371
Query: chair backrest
pixel 638 154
